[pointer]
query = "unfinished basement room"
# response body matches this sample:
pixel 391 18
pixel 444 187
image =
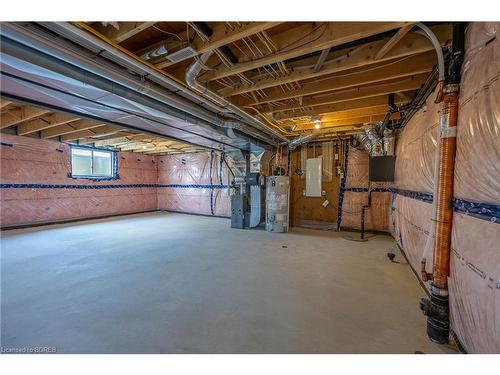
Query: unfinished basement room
pixel 295 187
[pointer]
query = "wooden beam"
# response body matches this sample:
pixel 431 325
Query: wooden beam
pixel 122 134
pixel 343 115
pixel 333 131
pixel 45 122
pixel 172 149
pixel 125 31
pixel 146 145
pixel 337 107
pixel 406 84
pixel 321 60
pixel 348 121
pixel 393 41
pixel 4 103
pixel 419 64
pixel 412 44
pixel 18 116
pixel 73 127
pixel 222 36
pixel 136 145
pixel 116 141
pixel 103 129
pixel 313 37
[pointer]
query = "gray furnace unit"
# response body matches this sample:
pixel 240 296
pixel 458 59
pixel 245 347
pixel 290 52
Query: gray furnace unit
pixel 277 201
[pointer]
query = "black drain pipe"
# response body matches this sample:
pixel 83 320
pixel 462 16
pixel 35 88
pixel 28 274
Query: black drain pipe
pixel 363 210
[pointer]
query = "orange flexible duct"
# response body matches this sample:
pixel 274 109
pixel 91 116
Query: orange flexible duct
pixel 448 124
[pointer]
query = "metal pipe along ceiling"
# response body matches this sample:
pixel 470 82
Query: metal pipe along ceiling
pixel 97 66
pixel 191 75
pixel 107 49
pixel 101 74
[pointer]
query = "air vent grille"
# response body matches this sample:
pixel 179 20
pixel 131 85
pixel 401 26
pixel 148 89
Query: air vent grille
pixel 182 54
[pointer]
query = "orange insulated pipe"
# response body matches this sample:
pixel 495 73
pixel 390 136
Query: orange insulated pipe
pixel 437 308
pixel 448 124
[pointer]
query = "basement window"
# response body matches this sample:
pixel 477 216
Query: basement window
pixel 94 163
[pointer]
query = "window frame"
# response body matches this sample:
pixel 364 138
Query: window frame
pixel 114 163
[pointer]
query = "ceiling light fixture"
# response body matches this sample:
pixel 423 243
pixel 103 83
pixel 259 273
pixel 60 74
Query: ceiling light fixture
pixel 316 121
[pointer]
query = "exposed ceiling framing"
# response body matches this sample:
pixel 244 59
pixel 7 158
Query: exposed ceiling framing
pixel 24 120
pixel 285 73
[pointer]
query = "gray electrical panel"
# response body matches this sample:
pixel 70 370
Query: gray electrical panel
pixel 277 203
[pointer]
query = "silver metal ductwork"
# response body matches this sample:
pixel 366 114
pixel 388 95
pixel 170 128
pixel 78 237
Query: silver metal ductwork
pixel 95 72
pixel 207 99
pixel 376 145
pixel 388 142
pixel 371 141
pixel 193 72
pixel 294 143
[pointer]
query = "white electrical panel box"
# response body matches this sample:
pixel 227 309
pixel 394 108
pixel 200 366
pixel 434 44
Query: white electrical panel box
pixel 313 177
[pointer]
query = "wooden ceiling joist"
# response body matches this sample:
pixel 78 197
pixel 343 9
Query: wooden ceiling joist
pixel 4 103
pixel 419 64
pixel 309 38
pixel 103 129
pixel 412 44
pixel 338 107
pixel 73 127
pixel 411 83
pixel 221 36
pixel 393 41
pixel 116 141
pixel 321 60
pixel 125 30
pixel 20 115
pixel 44 122
pixel 348 121
pixel 343 115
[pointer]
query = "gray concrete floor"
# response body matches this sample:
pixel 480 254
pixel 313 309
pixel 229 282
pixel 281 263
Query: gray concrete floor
pixel 173 283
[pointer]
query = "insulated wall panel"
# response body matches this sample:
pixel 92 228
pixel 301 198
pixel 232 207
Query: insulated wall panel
pixel 36 187
pixel 475 262
pixel 414 173
pixel 409 224
pixel 474 282
pixel 194 183
pixel 376 217
pixel 356 195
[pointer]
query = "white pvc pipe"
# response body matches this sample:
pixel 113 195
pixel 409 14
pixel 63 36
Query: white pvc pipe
pixel 437 46
pixel 432 228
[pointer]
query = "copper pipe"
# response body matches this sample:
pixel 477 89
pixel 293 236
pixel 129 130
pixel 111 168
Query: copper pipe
pixel 440 93
pixel 448 141
pixel 423 273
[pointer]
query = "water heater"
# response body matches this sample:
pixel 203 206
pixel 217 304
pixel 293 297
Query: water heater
pixel 277 202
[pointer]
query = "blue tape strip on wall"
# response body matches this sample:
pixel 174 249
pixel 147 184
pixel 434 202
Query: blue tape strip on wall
pixel 483 211
pixel 114 186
